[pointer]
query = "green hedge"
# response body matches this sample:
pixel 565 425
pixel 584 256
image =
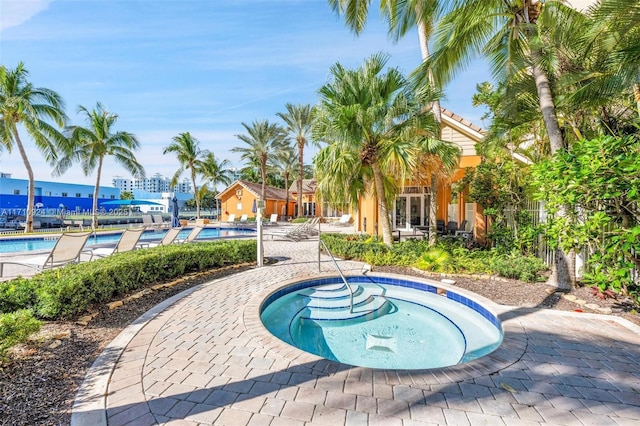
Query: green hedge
pixel 15 328
pixel 446 257
pixel 65 292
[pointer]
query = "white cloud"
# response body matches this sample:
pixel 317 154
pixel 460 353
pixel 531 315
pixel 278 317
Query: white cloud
pixel 581 4
pixel 16 12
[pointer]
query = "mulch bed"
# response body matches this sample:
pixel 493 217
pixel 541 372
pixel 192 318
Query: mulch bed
pixel 38 385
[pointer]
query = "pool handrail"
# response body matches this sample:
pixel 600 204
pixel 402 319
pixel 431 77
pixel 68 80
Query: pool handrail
pixel 344 280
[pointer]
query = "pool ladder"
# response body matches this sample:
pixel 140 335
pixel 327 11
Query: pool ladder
pixel 344 280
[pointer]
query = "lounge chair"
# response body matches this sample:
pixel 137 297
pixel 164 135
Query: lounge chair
pixel 344 220
pixel 244 218
pixel 159 221
pixel 67 249
pixel 300 232
pixel 232 218
pixel 195 231
pixel 147 221
pixel 273 220
pixel 128 241
pixel 169 238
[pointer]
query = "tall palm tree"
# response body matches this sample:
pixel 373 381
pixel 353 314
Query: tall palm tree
pixel 285 163
pixel 402 16
pixel 90 145
pixel 21 104
pixel 374 125
pixel 213 172
pixel 189 154
pixel 298 119
pixel 508 33
pixel 264 141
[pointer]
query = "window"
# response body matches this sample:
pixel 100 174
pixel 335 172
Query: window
pixel 64 194
pixel 47 193
pixel 78 195
pixel 90 196
pixel 16 192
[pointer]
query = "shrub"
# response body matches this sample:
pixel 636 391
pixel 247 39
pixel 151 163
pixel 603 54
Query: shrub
pixel 68 291
pixel 436 260
pixel 15 328
pixel 516 265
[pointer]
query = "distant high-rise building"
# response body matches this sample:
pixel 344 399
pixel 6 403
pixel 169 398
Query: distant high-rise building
pixel 155 183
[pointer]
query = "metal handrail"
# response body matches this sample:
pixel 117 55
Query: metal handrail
pixel 341 275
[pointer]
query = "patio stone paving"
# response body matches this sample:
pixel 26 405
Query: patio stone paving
pixel 202 358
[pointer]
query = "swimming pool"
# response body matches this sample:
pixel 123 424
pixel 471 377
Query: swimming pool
pixel 394 323
pixel 13 245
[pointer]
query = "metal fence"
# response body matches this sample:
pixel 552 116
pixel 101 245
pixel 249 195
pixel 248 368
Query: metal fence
pixel 539 216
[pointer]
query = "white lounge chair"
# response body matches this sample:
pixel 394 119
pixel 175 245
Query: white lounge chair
pixel 344 220
pixel 195 231
pixel 67 249
pixel 159 221
pixel 147 221
pixel 244 218
pixel 232 218
pixel 128 241
pixel 273 220
pixel 169 238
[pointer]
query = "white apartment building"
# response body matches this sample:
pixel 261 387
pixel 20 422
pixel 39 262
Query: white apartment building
pixel 155 183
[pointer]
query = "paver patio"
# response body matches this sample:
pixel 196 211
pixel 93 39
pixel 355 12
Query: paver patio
pixel 203 357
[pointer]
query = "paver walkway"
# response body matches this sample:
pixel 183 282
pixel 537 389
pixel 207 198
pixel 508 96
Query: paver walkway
pixel 203 358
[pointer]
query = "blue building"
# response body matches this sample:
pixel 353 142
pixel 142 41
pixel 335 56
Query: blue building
pixel 49 196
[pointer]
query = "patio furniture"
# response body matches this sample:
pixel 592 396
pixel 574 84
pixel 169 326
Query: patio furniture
pixel 67 249
pixel 128 241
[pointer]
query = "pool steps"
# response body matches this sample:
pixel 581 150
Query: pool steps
pixel 333 303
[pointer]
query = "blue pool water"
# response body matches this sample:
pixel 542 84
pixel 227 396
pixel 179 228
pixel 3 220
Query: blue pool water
pixel 14 245
pixel 396 324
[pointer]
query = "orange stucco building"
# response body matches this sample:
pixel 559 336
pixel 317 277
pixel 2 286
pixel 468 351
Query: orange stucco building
pixel 241 197
pixel 411 207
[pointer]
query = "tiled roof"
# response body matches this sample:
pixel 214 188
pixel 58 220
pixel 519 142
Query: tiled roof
pixel 461 120
pixel 308 186
pixel 256 189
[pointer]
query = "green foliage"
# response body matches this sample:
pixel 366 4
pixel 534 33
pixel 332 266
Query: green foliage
pixel 436 260
pixel 15 328
pixel 597 186
pixel 446 257
pixel 515 265
pixel 68 291
pixel 299 220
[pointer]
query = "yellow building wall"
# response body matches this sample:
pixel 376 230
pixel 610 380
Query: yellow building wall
pixel 469 159
pixel 230 203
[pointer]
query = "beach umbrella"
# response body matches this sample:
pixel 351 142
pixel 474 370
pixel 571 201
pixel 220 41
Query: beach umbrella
pixel 254 207
pixel 175 220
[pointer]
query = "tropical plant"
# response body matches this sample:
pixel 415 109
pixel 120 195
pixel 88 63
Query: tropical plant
pixel 374 125
pixel 213 172
pixel 511 35
pixel 402 16
pixel 90 145
pixel 22 104
pixel 190 157
pixel 598 181
pixel 285 164
pixel 298 119
pixel 264 141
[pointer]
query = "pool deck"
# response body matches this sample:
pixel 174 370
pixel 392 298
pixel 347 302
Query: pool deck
pixel 202 357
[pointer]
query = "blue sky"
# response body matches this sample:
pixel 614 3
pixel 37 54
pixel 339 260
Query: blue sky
pixel 172 66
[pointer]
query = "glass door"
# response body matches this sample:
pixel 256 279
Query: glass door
pixel 401 213
pixel 414 211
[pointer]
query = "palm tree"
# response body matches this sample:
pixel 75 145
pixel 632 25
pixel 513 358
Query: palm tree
pixel 213 172
pixel 298 120
pixel 21 104
pixel 285 164
pixel 189 154
pixel 402 16
pixel 374 125
pixel 509 34
pixel 90 145
pixel 264 141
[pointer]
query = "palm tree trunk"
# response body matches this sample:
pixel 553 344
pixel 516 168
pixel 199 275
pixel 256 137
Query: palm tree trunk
pixel 378 183
pixel 263 176
pixel 286 202
pixel 95 195
pixel 195 193
pixel 300 175
pixel 31 191
pixel 437 115
pixel 562 267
